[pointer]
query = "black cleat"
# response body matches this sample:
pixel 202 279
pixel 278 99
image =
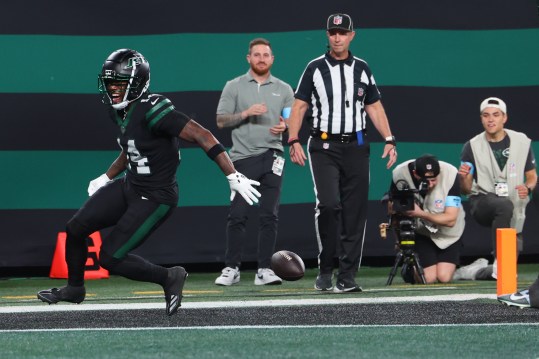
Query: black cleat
pixel 173 288
pixel 63 294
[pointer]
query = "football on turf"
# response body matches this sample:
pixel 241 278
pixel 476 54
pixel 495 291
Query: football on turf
pixel 288 265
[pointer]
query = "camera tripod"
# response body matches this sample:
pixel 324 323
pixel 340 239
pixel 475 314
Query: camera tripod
pixel 408 258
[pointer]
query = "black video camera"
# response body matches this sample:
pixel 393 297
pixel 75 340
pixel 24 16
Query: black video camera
pixel 403 199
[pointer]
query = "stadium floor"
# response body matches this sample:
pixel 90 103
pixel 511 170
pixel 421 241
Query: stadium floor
pixel 121 319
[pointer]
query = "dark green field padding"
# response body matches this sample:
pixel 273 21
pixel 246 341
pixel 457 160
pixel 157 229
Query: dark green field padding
pixel 59 179
pixel 204 62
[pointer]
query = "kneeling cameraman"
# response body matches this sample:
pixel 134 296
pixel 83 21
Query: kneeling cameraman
pixel 439 213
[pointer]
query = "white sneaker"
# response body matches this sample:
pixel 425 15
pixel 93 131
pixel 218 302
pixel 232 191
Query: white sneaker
pixel 266 276
pixel 495 269
pixel 228 276
pixel 470 271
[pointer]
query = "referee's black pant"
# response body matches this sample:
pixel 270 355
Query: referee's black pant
pixel 341 178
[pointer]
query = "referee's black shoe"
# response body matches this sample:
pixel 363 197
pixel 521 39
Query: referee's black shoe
pixel 173 288
pixel 63 294
pixel 346 285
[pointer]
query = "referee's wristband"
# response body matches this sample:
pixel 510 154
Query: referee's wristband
pixel 390 140
pixel 293 140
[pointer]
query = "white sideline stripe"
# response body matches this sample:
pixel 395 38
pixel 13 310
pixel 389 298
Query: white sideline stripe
pixel 229 327
pixel 244 304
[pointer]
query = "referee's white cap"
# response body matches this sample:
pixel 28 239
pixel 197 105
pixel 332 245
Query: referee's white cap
pixel 493 102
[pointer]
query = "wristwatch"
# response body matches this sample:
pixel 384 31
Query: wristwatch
pixel 390 140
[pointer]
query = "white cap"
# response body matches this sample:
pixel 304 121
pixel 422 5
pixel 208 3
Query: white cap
pixel 493 102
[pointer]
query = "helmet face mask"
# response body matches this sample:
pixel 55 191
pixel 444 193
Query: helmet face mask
pixel 114 90
pixel 124 71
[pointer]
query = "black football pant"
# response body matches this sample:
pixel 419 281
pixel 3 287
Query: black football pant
pixel 133 219
pixel 258 168
pixel 341 177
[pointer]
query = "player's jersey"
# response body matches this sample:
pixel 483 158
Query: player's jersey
pixel 149 135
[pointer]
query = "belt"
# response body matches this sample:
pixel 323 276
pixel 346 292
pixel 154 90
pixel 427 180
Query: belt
pixel 334 137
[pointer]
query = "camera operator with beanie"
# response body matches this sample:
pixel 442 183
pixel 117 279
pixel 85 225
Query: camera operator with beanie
pixel 438 212
pixel 497 171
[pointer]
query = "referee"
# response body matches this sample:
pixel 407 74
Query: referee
pixel 340 91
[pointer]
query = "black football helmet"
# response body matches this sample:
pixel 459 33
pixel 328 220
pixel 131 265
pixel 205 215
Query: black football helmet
pixel 124 65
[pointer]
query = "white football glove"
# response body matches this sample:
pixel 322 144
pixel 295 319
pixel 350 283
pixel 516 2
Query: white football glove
pixel 244 186
pixel 98 183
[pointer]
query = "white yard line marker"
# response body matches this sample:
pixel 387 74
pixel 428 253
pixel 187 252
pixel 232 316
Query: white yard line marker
pixel 250 327
pixel 246 304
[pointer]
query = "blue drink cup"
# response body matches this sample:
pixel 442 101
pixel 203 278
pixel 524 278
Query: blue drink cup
pixel 286 112
pixel 470 165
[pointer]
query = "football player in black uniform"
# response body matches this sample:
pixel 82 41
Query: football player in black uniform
pixel 139 202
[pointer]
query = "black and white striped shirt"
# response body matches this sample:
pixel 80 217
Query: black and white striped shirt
pixel 337 91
